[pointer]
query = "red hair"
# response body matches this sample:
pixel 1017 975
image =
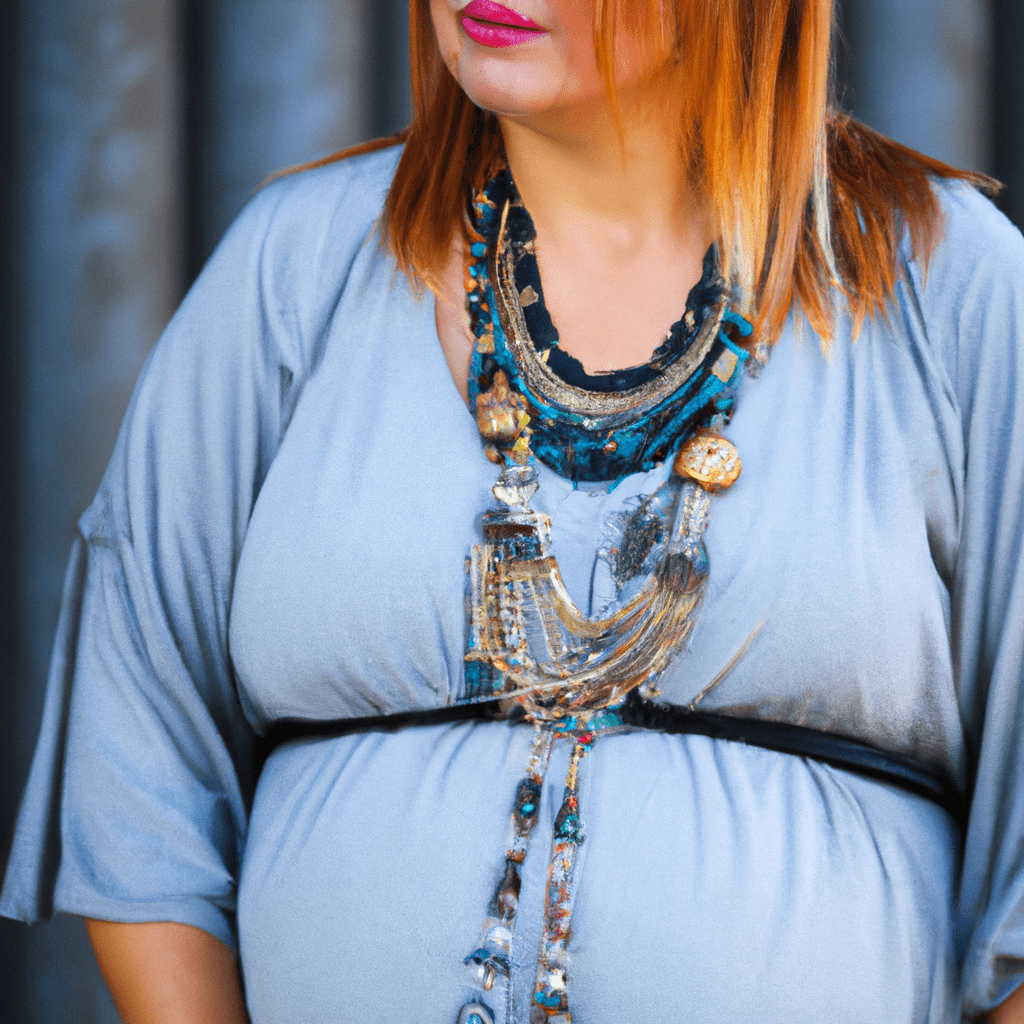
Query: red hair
pixel 802 196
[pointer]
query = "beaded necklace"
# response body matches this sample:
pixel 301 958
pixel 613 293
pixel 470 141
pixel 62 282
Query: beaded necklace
pixel 529 647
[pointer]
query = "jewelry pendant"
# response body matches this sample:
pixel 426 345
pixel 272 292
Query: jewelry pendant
pixel 475 1013
pixel 490 961
pixel 550 993
pixel 527 639
pixel 528 642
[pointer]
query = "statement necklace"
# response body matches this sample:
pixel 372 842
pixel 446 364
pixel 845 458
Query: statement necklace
pixel 529 647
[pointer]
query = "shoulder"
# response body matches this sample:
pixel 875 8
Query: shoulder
pixel 976 236
pixel 357 185
pixel 340 201
pixel 977 244
pixel 969 295
pixel 289 255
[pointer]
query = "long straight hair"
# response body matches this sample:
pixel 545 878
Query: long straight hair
pixel 802 197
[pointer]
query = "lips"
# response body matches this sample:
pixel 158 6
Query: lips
pixel 493 24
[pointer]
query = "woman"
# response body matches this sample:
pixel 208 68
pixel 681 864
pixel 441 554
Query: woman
pixel 285 530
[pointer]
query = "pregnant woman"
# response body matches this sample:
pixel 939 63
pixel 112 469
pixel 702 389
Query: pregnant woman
pixel 564 563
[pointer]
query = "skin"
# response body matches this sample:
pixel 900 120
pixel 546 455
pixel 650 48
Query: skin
pixel 168 973
pixel 1011 1011
pixel 617 193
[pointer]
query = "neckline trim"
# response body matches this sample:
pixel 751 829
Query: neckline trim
pixel 702 301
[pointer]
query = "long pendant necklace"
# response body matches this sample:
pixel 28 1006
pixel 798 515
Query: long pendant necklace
pixel 529 645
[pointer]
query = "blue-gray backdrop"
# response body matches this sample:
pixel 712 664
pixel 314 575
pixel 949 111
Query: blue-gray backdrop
pixel 134 130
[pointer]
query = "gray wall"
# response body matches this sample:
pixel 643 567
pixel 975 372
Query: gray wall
pixel 134 130
pixel 919 73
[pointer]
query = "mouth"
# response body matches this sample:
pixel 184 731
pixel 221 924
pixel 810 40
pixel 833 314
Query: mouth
pixel 493 24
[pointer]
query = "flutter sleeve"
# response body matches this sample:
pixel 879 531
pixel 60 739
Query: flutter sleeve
pixel 136 805
pixel 973 308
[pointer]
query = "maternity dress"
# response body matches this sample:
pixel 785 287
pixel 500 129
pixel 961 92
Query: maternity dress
pixel 283 532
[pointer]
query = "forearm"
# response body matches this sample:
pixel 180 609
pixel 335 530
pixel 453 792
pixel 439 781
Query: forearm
pixel 1011 1011
pixel 167 973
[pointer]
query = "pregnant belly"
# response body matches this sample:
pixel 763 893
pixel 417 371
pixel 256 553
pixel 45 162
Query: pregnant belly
pixel 716 883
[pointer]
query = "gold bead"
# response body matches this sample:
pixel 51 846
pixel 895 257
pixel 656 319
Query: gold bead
pixel 710 459
pixel 501 413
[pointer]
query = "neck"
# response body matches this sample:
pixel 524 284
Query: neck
pixel 620 234
pixel 617 186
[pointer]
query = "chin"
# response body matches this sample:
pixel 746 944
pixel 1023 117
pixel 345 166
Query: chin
pixel 505 89
pixel 515 92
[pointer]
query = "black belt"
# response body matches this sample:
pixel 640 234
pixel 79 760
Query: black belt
pixel 838 751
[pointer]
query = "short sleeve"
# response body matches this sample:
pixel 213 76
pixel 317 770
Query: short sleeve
pixel 136 805
pixel 973 306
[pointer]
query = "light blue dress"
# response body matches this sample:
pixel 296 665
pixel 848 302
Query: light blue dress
pixel 283 532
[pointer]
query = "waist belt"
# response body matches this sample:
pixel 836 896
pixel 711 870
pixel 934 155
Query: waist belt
pixel 838 751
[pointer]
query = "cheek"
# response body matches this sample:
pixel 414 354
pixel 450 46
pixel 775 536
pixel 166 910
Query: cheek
pixel 633 59
pixel 446 31
pixel 576 36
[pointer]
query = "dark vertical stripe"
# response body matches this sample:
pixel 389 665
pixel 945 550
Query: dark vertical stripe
pixel 191 86
pixel 12 946
pixel 1007 85
pixel 841 58
pixel 274 85
pixel 390 100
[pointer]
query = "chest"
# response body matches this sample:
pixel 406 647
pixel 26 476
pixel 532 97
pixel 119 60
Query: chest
pixel 834 550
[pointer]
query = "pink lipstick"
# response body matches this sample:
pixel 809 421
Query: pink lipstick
pixel 493 24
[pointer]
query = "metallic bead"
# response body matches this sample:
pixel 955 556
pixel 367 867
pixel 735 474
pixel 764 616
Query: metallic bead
pixel 516 486
pixel 725 366
pixel 710 459
pixel 527 801
pixel 498 936
pixel 501 413
pixel 507 900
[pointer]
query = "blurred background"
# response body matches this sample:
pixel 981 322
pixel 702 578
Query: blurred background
pixel 133 131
